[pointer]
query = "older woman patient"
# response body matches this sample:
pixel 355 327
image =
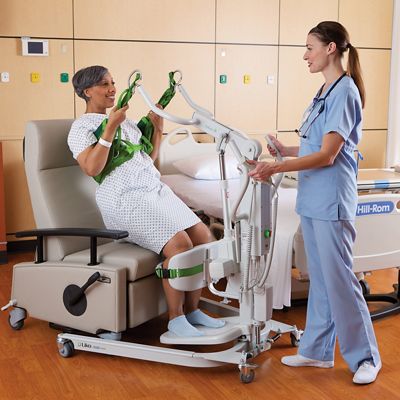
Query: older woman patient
pixel 132 197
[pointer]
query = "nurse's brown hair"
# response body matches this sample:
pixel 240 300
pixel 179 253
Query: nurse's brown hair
pixel 331 31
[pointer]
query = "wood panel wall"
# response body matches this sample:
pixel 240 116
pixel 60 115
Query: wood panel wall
pixel 3 246
pixel 263 39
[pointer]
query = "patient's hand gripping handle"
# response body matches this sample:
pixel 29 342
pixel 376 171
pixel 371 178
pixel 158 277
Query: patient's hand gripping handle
pixel 74 296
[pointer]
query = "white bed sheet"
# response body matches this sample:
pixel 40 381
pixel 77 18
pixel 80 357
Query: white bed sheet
pixel 205 195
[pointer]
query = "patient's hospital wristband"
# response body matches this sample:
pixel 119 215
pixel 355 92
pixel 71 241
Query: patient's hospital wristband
pixel 105 143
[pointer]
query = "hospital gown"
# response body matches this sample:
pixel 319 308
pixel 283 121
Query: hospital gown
pixel 132 197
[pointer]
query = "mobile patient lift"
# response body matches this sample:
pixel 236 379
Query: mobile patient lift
pixel 242 257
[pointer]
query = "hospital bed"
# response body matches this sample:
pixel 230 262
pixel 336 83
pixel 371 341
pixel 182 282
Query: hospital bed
pixel 194 179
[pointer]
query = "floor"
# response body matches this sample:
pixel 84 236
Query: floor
pixel 31 368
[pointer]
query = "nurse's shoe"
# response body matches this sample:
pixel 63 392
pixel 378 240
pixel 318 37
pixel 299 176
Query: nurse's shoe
pixel 301 361
pixel 366 372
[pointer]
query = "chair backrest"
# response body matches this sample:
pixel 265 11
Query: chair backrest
pixel 61 194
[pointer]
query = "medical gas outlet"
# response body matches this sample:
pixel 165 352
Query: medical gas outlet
pixel 246 79
pixel 35 77
pixel 5 77
pixel 64 77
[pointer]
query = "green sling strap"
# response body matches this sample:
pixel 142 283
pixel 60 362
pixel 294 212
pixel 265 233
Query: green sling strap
pixel 178 273
pixel 123 150
pixel 145 125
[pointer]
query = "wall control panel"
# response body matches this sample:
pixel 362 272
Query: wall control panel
pixel 34 47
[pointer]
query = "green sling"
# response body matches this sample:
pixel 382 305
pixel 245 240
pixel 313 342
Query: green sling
pixel 123 150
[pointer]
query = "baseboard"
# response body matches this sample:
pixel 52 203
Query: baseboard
pixel 3 257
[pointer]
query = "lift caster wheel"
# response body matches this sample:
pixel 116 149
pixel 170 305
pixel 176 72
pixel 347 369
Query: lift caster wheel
pixel 247 373
pixel 16 325
pixel 295 342
pixel 16 318
pixel 66 349
pixel 247 377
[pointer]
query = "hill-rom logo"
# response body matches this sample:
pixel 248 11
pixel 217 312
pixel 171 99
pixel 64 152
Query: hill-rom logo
pixel 375 207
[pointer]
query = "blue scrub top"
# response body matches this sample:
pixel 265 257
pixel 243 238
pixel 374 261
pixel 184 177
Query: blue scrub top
pixel 330 193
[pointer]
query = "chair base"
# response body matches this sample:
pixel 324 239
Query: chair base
pixel 392 298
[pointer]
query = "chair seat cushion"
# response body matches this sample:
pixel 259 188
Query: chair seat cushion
pixel 139 262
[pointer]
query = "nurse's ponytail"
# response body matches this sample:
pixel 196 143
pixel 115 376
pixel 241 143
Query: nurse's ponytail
pixel 332 31
pixel 354 70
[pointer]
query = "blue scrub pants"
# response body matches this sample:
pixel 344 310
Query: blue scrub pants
pixel 336 305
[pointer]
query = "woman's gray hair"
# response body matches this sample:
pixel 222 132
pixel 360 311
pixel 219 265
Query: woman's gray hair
pixel 86 78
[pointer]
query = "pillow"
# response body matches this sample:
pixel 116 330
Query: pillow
pixel 206 166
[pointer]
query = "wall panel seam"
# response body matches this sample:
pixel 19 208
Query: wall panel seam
pixel 364 130
pixel 277 67
pixel 182 42
pixel 73 49
pixel 215 56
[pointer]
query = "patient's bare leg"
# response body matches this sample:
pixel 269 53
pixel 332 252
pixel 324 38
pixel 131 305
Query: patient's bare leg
pixel 178 323
pixel 198 234
pixel 178 244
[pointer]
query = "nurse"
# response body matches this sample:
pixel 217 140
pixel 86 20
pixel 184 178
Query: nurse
pixel 326 203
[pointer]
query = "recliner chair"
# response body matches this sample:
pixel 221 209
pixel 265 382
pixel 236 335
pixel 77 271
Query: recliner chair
pixel 62 286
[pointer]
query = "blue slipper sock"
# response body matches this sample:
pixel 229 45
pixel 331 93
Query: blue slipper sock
pixel 197 317
pixel 181 327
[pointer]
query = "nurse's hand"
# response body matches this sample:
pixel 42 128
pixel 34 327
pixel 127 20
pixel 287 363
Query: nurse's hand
pixel 261 171
pixel 281 148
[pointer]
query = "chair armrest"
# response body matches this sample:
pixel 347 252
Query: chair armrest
pixel 84 232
